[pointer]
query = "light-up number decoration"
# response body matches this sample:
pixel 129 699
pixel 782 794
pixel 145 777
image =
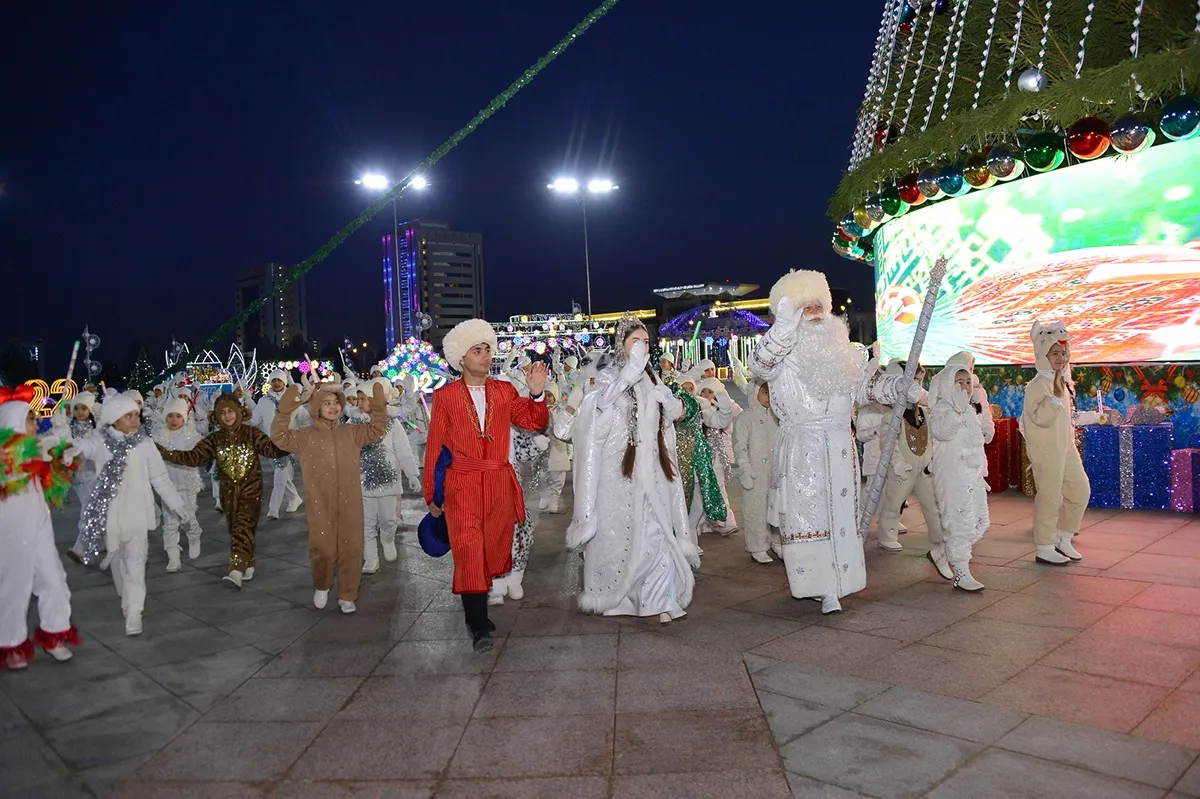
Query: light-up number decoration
pixel 417 359
pixel 47 398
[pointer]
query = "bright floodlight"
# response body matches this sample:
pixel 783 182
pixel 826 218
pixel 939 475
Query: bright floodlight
pixel 599 186
pixel 373 180
pixel 419 182
pixel 565 185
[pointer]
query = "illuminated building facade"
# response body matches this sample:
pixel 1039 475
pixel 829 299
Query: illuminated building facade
pixel 282 318
pixel 430 271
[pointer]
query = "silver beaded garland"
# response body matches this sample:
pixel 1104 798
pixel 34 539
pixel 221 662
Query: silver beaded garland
pixel 93 525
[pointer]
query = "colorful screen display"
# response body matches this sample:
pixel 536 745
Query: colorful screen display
pixel 1110 247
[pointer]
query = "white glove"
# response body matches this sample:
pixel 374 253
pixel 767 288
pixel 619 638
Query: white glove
pixel 979 396
pixel 786 313
pixel 913 392
pixel 69 455
pixel 46 444
pixel 663 394
pixel 723 402
pixel 960 400
pixel 541 442
pixel 747 481
pixel 703 403
pixel 635 368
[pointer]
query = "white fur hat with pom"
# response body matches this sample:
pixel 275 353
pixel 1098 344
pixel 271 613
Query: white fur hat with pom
pixel 804 287
pixel 465 335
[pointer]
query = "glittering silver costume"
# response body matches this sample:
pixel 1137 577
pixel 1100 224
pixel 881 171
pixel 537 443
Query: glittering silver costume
pixel 813 497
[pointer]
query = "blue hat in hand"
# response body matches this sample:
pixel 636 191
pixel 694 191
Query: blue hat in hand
pixel 432 533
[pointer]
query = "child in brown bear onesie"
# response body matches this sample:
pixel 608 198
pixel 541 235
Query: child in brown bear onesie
pixel 329 457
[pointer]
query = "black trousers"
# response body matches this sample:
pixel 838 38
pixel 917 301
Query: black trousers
pixel 475 608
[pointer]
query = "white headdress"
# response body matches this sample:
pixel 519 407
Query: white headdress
pixel 465 335
pixel 804 287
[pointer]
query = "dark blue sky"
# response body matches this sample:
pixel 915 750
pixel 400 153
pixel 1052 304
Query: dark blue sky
pixel 149 151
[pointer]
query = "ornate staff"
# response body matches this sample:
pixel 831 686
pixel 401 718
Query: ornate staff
pixel 70 372
pixel 888 442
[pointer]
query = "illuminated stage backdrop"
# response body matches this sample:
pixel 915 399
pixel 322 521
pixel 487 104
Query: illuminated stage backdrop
pixel 1111 247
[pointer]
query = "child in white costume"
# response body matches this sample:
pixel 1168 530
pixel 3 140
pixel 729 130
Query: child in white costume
pixel 284 485
pixel 961 424
pixel 177 431
pixel 1063 489
pixel 754 433
pixel 909 472
pixel 558 464
pixel 29 563
pixel 383 466
pixel 414 416
pixel 83 424
pixel 120 512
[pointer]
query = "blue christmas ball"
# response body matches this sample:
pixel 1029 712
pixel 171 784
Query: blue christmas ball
pixel 951 180
pixel 1180 118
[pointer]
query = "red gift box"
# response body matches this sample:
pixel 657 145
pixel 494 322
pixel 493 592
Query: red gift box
pixel 1004 456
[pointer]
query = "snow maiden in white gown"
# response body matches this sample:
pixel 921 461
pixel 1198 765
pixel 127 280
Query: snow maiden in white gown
pixel 630 517
pixel 816 376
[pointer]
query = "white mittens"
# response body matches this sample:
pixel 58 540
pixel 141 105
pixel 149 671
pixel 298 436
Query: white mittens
pixel 786 313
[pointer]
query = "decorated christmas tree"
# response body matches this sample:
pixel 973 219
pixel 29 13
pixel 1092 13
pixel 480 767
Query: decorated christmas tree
pixel 143 372
pixel 964 93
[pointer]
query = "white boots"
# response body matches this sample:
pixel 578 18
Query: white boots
pixel 370 558
pixel 193 547
pixel 389 548
pixel 937 556
pixel 963 578
pixel 830 604
pixel 1047 553
pixel 320 599
pixel 133 623
pixel 761 557
pixel 347 606
pixel 173 564
pixel 1062 542
pixel 234 579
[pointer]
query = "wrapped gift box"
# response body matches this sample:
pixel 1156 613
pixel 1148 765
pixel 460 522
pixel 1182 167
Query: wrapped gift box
pixel 1102 462
pixel 1129 466
pixel 1185 480
pixel 1004 456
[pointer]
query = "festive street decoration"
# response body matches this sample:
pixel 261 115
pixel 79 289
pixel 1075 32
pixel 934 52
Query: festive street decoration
pixel 46 398
pixel 323 369
pixel 385 199
pixel 416 359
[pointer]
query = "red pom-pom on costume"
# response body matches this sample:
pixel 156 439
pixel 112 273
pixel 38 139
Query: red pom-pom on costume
pixel 16 657
pixel 51 640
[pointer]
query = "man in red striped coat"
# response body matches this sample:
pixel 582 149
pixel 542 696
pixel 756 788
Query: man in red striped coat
pixel 483 501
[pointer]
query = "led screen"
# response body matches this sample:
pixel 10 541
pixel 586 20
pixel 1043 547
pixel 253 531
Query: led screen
pixel 1111 247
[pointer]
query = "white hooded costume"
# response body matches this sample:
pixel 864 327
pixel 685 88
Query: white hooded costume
pixel 638 552
pixel 186 480
pixel 383 466
pixel 816 377
pixel 29 563
pixel 130 510
pixel 909 472
pixel 959 431
pixel 754 433
pixel 1063 489
pixel 283 484
pixel 718 415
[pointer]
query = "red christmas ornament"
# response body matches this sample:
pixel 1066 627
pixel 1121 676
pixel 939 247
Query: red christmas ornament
pixel 844 236
pixel 907 186
pixel 1089 138
pixel 906 28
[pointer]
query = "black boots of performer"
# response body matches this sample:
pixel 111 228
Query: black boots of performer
pixel 475 608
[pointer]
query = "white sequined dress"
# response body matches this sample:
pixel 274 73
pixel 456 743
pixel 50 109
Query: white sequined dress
pixel 638 556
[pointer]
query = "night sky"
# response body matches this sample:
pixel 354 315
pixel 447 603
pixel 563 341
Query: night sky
pixel 148 151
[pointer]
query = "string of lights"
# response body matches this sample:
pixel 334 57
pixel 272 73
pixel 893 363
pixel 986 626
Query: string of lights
pixel 912 94
pixel 861 136
pixel 937 83
pixel 1041 64
pixel 962 24
pixel 987 52
pixel 1016 42
pixel 1087 26
pixel 900 80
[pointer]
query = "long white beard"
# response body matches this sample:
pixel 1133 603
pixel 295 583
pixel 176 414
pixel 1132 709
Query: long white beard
pixel 829 364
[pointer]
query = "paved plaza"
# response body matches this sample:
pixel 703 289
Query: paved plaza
pixel 1078 681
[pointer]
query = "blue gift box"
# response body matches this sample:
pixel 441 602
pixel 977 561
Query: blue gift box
pixel 1129 466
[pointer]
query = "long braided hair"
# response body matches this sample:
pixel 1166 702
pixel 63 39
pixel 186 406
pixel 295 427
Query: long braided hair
pixel 628 325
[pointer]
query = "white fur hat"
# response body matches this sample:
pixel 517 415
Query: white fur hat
pixel 1044 336
pixel 463 337
pixel 177 405
pixel 571 361
pixel 804 287
pixel 704 366
pixel 86 398
pixel 367 389
pixel 136 396
pixel 712 384
pixel 279 374
pixel 116 407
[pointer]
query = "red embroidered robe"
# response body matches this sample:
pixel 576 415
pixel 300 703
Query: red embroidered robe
pixel 483 499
